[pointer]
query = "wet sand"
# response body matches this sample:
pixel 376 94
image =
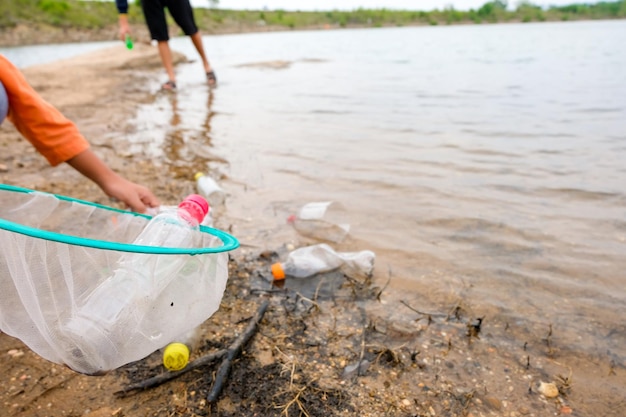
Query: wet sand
pixel 415 359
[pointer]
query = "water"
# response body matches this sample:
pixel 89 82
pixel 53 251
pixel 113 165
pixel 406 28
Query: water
pixel 483 163
pixel 42 54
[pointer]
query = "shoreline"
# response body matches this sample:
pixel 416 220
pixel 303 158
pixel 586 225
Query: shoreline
pixel 40 34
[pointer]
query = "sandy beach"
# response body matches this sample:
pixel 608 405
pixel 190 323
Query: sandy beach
pixel 330 348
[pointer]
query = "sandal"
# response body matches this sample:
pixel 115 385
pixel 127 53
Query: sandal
pixel 211 78
pixel 170 85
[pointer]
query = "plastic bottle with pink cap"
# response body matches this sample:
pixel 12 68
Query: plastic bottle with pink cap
pixel 116 316
pixel 170 228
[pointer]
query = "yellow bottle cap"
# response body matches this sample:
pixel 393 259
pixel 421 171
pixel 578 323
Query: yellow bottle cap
pixel 278 271
pixel 176 356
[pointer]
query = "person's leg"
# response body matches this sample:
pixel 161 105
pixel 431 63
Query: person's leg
pixel 166 58
pixel 154 13
pixel 196 38
pixel 182 13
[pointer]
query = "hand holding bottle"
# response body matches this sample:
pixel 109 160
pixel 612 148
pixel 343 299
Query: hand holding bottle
pixel 129 42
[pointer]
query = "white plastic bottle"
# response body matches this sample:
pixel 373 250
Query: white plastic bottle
pixel 322 221
pixel 310 260
pixel 113 312
pixel 209 189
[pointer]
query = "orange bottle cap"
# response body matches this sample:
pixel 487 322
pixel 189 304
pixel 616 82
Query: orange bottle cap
pixel 278 271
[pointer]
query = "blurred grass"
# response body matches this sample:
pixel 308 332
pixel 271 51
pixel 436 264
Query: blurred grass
pixel 85 15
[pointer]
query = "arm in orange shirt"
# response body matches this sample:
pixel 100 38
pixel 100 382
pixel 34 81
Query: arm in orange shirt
pixel 53 135
pixel 58 139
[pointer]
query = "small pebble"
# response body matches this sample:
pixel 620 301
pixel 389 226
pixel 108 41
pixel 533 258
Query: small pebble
pixel 548 389
pixel 494 403
pixel 15 353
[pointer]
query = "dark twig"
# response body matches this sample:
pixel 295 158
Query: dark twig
pixel 359 372
pixel 473 329
pixel 233 350
pixel 429 316
pixel 385 287
pixel 456 312
pixel 548 339
pixel 168 376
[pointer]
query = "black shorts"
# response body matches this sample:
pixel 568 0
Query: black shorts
pixel 181 11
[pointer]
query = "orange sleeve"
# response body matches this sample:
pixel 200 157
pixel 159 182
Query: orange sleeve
pixel 51 133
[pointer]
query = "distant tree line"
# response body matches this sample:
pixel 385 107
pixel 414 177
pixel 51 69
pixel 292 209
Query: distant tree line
pixel 76 14
pixel 491 12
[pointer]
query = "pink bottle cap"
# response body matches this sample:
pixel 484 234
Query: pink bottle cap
pixel 196 206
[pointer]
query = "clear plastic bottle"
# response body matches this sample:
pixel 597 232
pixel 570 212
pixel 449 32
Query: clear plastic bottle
pixel 114 311
pixel 170 228
pixel 208 219
pixel 310 260
pixel 210 189
pixel 322 221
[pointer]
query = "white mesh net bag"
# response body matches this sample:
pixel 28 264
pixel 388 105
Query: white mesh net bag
pixel 57 257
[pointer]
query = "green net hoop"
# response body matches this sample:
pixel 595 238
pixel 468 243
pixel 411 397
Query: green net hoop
pixel 14 221
pixel 77 291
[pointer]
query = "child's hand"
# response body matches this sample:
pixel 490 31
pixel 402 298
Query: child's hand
pixel 136 197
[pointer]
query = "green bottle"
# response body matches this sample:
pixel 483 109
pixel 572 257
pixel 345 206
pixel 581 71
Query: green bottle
pixel 129 42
